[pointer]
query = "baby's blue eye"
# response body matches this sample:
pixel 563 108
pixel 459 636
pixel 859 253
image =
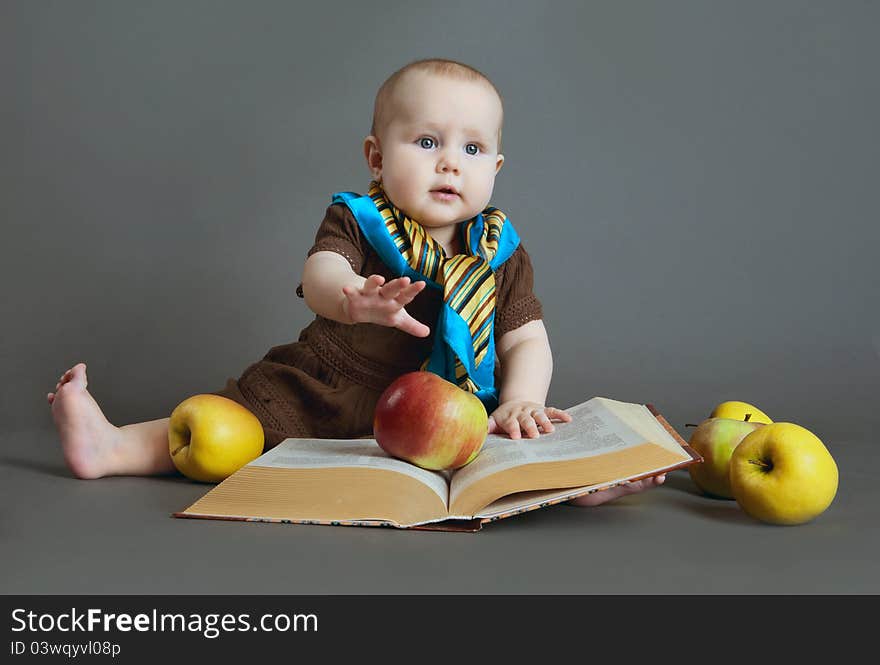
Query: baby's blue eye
pixel 472 148
pixel 426 143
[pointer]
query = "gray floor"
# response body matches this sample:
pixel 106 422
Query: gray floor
pixel 116 536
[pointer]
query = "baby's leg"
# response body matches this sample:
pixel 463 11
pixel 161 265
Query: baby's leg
pixel 92 446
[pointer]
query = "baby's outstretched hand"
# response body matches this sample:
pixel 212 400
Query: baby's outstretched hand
pixel 383 304
pixel 517 418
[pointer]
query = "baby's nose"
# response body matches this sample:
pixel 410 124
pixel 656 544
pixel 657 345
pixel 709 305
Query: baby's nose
pixel 447 164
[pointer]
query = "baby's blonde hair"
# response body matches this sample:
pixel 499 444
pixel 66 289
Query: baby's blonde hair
pixel 438 67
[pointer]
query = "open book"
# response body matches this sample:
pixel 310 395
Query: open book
pixel 354 482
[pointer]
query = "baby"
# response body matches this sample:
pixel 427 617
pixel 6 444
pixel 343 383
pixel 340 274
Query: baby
pixel 418 274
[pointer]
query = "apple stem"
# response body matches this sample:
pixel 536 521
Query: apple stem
pixel 748 415
pixel 690 425
pixel 766 466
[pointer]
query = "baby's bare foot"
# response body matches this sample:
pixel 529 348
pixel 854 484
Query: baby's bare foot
pixel 604 496
pixel 88 439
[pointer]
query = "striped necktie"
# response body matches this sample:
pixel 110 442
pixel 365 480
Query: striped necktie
pixel 467 280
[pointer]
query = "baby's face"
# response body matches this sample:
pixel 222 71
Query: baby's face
pixel 442 134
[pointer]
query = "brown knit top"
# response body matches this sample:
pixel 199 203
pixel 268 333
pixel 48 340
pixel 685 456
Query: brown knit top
pixel 326 384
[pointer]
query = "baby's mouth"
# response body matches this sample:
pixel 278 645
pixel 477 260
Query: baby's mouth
pixel 445 192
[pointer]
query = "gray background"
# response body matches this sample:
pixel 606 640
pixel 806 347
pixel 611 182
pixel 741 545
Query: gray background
pixel 695 182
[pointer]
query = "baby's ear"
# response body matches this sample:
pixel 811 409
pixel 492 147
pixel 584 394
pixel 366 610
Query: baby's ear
pixel 499 162
pixel 373 153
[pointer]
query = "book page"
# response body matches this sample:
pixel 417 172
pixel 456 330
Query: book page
pixel 641 419
pixel 593 430
pixel 524 501
pixel 339 453
pixel 521 502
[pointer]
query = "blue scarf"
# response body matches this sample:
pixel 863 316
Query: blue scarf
pixel 464 342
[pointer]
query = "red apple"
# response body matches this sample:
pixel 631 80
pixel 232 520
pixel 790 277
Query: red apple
pixel 431 422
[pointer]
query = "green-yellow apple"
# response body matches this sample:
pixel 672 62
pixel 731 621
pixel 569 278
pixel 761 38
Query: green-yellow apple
pixel 428 421
pixel 740 411
pixel 210 437
pixel 783 474
pixel 715 440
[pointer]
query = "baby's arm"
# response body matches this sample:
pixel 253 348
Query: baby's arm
pixel 526 369
pixel 335 291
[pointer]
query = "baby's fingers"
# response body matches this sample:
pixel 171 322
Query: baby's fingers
pixel 371 286
pixel 394 288
pixel 529 426
pixel 557 414
pixel 511 426
pixel 543 420
pixel 413 327
pixel 402 290
pixel 411 291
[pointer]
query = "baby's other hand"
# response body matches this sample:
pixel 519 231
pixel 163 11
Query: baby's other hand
pixel 383 304
pixel 517 418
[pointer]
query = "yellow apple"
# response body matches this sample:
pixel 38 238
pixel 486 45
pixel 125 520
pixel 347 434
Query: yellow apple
pixel 715 440
pixel 783 474
pixel 211 437
pixel 740 411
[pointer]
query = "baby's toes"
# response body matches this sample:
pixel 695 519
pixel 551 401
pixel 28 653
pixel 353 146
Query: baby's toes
pixel 644 484
pixel 632 488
